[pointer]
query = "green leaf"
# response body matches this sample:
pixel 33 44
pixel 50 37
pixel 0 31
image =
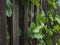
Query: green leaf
pixel 52 4
pixel 57 18
pixel 9 8
pixel 32 25
pixel 9 12
pixel 48 31
pixel 57 28
pixel 41 17
pixel 36 30
pixel 36 2
pixel 51 16
pixel 38 36
pixel 57 39
pixel 49 42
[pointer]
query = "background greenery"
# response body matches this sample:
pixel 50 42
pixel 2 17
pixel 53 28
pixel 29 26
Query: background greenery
pixel 46 25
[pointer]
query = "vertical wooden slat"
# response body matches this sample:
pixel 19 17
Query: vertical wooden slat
pixel 25 39
pixel 3 22
pixel 58 9
pixel 15 22
pixel 35 10
pixel 53 41
pixel 32 12
pixel 39 9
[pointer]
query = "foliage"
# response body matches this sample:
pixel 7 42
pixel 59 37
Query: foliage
pixel 9 8
pixel 47 23
pixel 52 26
pixel 8 38
pixel 36 3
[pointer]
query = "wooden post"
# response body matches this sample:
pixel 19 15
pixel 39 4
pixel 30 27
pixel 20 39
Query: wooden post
pixel 3 23
pixel 15 22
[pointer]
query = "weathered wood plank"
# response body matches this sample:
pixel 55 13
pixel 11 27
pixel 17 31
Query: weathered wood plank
pixel 32 12
pixel 25 27
pixel 15 22
pixel 3 23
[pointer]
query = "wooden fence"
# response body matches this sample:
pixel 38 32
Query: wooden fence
pixel 15 22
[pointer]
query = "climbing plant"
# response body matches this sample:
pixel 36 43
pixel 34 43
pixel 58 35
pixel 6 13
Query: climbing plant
pixel 47 25
pixel 47 22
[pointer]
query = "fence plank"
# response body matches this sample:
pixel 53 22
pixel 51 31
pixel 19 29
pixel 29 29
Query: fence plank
pixel 15 23
pixel 25 27
pixel 3 22
pixel 58 9
pixel 32 12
